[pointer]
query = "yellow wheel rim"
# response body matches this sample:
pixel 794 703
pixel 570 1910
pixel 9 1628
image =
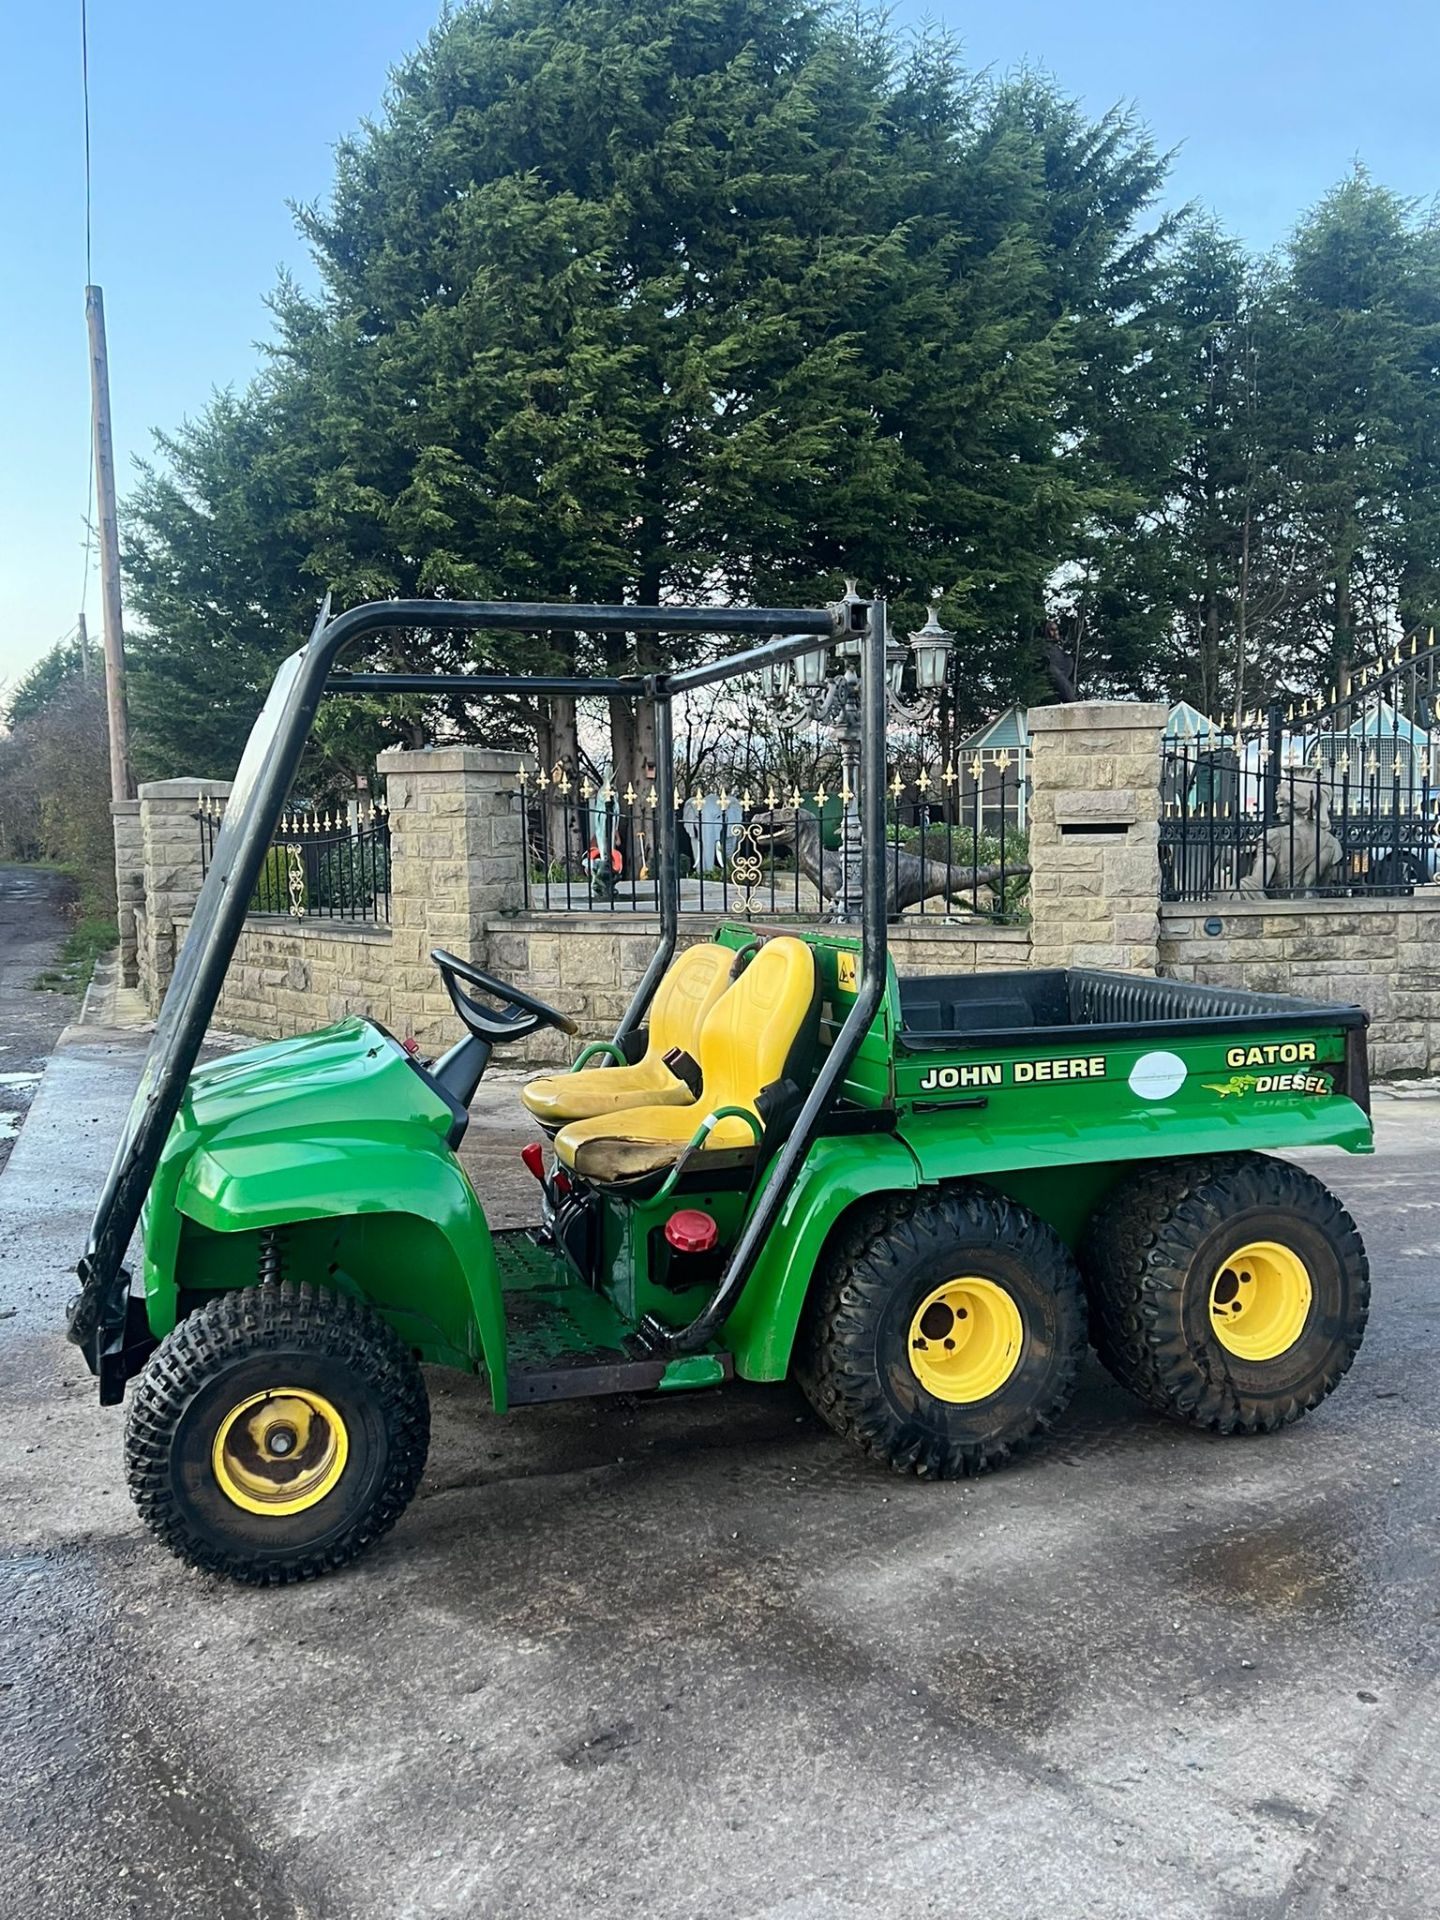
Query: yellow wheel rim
pixel 965 1340
pixel 280 1452
pixel 1260 1300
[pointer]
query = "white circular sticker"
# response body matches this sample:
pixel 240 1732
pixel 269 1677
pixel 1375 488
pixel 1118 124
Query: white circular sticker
pixel 1155 1076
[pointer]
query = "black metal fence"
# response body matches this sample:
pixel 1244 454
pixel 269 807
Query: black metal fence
pixel 321 865
pixel 1311 797
pixel 955 848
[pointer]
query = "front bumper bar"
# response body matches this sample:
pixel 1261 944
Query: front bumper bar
pixel 110 1326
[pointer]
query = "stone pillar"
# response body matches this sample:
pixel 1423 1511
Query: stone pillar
pixel 129 883
pixel 1095 834
pixel 457 860
pixel 173 868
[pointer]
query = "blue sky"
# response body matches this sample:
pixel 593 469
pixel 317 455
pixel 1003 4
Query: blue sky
pixel 206 119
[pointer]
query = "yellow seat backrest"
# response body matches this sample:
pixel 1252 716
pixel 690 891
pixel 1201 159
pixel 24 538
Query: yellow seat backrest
pixel 749 1034
pixel 689 989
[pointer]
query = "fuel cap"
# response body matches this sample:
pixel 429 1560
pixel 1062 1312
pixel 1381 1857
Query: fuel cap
pixel 691 1231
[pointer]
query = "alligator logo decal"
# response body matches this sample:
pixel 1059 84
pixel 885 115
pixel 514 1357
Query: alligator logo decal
pixel 1237 1083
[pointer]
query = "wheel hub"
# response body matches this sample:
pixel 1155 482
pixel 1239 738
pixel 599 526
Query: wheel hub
pixel 280 1452
pixel 1260 1300
pixel 965 1340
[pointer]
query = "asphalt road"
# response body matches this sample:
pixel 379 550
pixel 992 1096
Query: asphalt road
pixel 690 1658
pixel 32 926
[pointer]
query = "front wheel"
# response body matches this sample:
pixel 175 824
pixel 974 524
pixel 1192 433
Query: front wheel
pixel 276 1433
pixel 1230 1292
pixel 946 1334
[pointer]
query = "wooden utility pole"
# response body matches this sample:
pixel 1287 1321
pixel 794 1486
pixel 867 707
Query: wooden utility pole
pixel 109 547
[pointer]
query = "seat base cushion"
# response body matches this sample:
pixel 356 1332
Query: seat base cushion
pixel 557 1098
pixel 642 1140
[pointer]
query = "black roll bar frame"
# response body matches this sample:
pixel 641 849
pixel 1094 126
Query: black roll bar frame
pixel 781 1173
pixel 98 1315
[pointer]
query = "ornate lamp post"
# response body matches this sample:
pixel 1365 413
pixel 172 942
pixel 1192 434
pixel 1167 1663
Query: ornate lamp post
pixel 807 689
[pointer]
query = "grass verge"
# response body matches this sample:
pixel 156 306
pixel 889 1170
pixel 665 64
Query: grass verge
pixel 92 932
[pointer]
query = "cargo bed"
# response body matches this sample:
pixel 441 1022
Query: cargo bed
pixel 1076 1049
pixel 1083 1003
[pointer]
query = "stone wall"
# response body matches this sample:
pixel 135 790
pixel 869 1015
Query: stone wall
pixel 129 884
pixel 289 976
pixel 172 872
pixel 456 881
pixel 456 860
pixel 591 964
pixel 1095 834
pixel 456 853
pixel 1383 955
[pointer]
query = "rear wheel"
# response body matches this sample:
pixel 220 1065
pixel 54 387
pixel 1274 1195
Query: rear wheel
pixel 276 1433
pixel 1229 1292
pixel 946 1334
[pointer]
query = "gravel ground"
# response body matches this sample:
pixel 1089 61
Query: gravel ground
pixel 689 1657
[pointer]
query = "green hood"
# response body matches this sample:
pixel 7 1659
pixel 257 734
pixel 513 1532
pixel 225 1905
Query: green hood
pixel 345 1077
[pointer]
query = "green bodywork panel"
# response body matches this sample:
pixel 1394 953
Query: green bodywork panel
pixel 1052 1128
pixel 1120 1106
pixel 338 1140
pixel 331 1154
pixel 838 1174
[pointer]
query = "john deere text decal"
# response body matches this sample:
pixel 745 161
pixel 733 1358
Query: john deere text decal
pixel 1023 1073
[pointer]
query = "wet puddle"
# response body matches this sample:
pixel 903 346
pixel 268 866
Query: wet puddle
pixel 1285 1568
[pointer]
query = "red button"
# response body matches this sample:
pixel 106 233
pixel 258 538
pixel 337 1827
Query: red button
pixel 691 1231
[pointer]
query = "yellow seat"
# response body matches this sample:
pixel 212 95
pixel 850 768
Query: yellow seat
pixel 691 986
pixel 745 1045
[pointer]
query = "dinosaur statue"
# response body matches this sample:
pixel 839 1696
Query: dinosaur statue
pixel 909 879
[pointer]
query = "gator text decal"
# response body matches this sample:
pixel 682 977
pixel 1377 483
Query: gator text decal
pixel 1281 1053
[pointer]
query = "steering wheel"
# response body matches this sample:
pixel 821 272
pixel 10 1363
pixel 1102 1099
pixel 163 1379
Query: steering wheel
pixel 520 1015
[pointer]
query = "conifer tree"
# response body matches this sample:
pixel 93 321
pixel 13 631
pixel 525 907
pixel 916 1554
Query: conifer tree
pixel 663 299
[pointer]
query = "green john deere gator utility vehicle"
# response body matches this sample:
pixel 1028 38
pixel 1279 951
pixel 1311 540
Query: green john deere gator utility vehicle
pixel 914 1194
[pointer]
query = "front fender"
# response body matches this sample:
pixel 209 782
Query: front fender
pixel 394 1218
pixel 837 1173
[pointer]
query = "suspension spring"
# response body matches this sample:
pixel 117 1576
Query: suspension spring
pixel 272 1255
